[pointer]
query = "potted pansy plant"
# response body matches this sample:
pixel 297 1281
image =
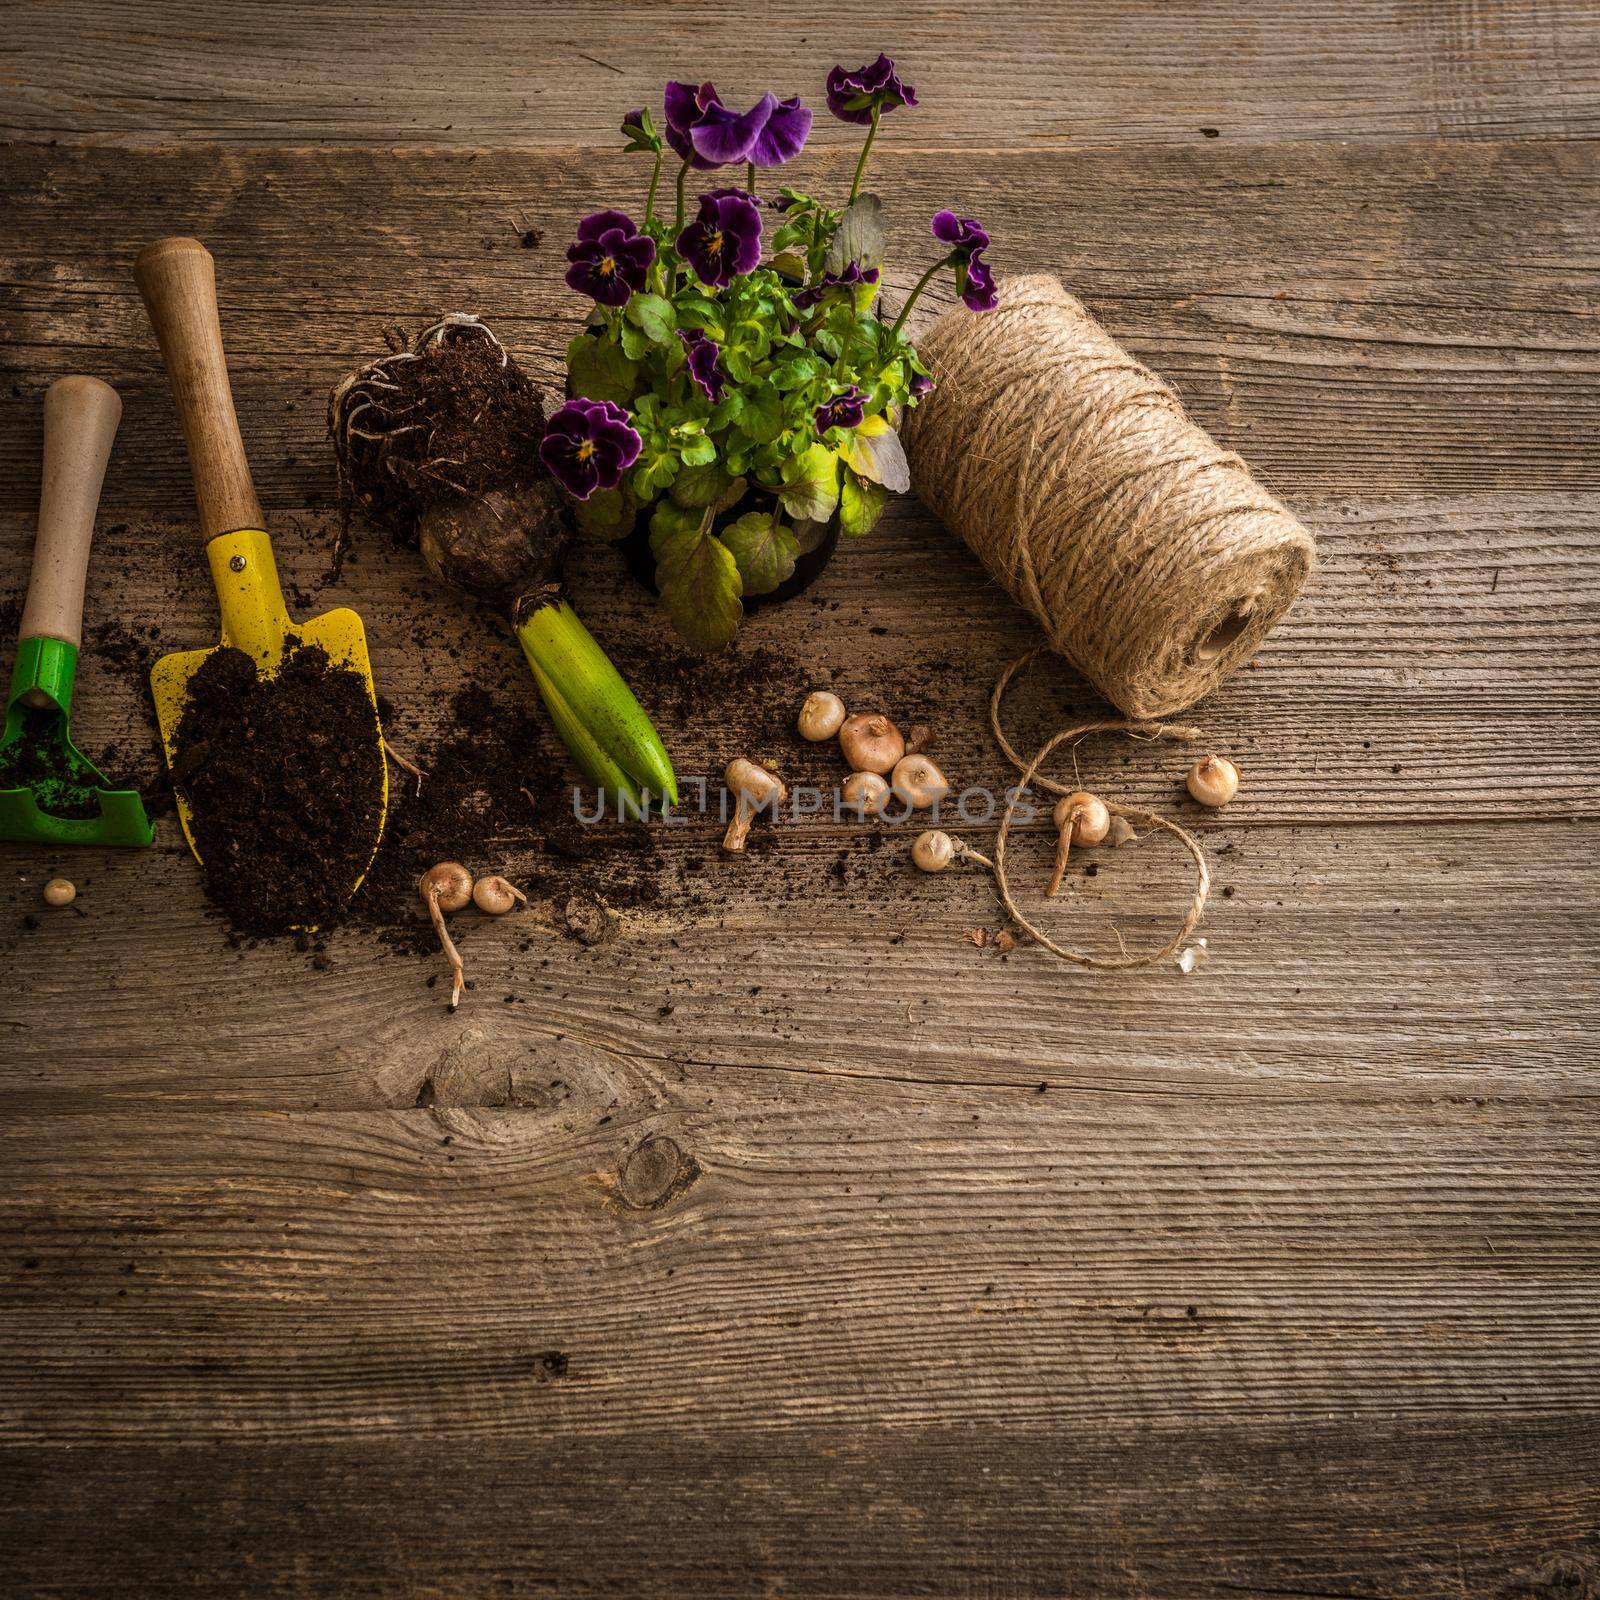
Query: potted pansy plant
pixel 735 396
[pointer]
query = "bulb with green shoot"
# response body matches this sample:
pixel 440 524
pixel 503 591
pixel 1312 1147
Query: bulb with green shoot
pixel 439 443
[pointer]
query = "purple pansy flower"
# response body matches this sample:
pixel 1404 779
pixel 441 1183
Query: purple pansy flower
pixel 588 445
pixel 724 241
pixel 704 367
pixel 976 282
pixel 960 233
pixel 610 259
pixel 921 384
pixel 968 239
pixel 849 278
pixel 842 411
pixel 852 96
pixel 706 133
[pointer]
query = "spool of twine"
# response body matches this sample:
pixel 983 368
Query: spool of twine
pixel 1152 559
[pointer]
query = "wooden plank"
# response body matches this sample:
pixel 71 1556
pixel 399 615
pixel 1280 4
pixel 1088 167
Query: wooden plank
pixel 1449 947
pixel 656 1238
pixel 1404 320
pixel 1405 961
pixel 1131 1344
pixel 1440 666
pixel 837 1513
pixel 1006 73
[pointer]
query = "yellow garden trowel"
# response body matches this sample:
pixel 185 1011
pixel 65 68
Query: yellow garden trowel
pixel 177 279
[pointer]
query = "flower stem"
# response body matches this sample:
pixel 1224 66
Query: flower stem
pixel 683 172
pixel 861 165
pixel 911 299
pixel 650 199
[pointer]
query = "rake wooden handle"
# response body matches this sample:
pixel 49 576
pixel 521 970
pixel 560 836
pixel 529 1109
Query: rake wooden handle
pixel 179 283
pixel 80 421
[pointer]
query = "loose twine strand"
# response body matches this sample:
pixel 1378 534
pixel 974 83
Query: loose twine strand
pixel 1134 814
pixel 1150 556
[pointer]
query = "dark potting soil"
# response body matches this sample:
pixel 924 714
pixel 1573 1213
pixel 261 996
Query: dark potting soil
pixel 456 418
pixel 37 761
pixel 283 778
pixel 497 797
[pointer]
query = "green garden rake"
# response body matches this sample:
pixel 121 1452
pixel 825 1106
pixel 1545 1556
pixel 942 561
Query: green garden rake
pixel 54 795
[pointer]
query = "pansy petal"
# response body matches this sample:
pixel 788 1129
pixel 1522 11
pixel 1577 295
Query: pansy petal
pixel 681 105
pixel 602 222
pixel 725 137
pixel 875 76
pixel 784 136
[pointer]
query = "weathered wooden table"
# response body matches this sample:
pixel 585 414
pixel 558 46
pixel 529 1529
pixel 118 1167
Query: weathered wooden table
pixel 792 1243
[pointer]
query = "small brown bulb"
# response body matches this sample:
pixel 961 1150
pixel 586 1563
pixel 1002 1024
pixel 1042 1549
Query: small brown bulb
pixel 756 789
pixel 865 793
pixel 447 885
pixel 1083 818
pixel 821 716
pixel 1213 781
pixel 60 892
pixel 496 895
pixel 1091 821
pixel 871 742
pixel 919 782
pixel 933 851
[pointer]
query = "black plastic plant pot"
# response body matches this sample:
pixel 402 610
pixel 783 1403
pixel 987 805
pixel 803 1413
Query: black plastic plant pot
pixel 808 566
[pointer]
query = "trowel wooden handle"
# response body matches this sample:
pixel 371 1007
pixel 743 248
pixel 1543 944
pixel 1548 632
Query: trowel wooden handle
pixel 179 283
pixel 80 421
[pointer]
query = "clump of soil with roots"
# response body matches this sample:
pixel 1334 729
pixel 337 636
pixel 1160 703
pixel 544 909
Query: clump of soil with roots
pixel 438 443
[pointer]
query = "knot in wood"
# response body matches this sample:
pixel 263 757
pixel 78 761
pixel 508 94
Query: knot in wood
pixel 656 1171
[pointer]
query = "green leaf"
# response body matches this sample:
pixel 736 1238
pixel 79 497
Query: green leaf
pixel 700 485
pixel 730 497
pixel 874 450
pixel 764 549
pixel 653 316
pixel 606 514
pixel 787 264
pixel 669 518
pixel 811 484
pixel 861 235
pixel 700 584
pixel 655 470
pixel 699 452
pixel 635 342
pixel 860 505
pixel 763 414
pixel 729 411
pixel 796 372
pixel 598 369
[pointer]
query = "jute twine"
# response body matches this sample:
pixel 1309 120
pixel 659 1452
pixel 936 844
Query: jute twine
pixel 1151 558
pixel 1134 814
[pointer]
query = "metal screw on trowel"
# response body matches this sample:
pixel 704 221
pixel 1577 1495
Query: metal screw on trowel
pixel 236 563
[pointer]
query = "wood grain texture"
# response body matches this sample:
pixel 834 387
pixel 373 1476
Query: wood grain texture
pixel 1439 679
pixel 1006 74
pixel 810 1251
pixel 1501 1511
pixel 790 1243
pixel 1407 319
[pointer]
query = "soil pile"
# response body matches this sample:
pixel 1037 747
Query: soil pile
pixel 497 797
pixel 283 779
pixel 438 443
